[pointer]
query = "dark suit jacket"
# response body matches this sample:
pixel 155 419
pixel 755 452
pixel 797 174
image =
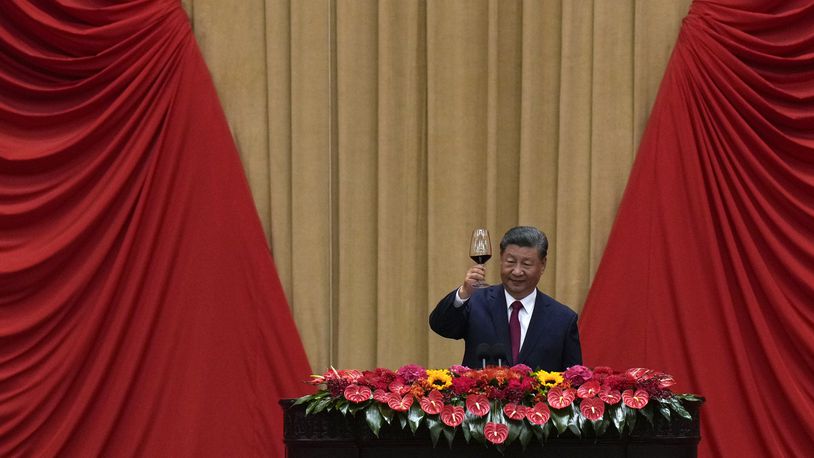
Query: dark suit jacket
pixel 552 338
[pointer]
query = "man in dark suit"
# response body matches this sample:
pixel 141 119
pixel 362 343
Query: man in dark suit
pixel 535 329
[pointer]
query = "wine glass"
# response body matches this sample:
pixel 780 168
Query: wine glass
pixel 480 249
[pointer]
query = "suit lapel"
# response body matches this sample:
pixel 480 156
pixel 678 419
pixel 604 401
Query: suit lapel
pixel 536 327
pixel 498 312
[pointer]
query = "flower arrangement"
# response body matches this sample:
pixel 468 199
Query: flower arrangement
pixel 498 405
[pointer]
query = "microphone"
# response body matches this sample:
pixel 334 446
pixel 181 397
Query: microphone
pixel 499 353
pixel 482 353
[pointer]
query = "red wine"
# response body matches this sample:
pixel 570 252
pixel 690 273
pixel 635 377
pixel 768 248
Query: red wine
pixel 481 259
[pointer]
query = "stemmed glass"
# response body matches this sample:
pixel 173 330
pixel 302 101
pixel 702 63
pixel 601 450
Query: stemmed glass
pixel 480 249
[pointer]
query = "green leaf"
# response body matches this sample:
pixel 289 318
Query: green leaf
pixel 414 417
pixel 647 412
pixel 679 409
pixel 617 415
pixel 308 398
pixel 630 418
pixel 344 408
pixel 465 429
pixel 526 435
pixel 435 426
pixel 560 417
pixel 547 427
pixel 514 430
pixel 374 419
pixel 476 425
pixel 600 426
pixel 357 407
pixel 449 434
pixel 387 412
pixel 318 406
pixel 402 419
pixel 664 410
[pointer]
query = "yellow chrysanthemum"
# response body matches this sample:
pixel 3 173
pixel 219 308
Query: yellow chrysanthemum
pixel 549 379
pixel 439 379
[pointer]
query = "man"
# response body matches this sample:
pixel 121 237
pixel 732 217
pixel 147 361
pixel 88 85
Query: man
pixel 535 329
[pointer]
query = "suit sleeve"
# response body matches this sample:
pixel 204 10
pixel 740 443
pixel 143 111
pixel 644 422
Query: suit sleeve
pixel 450 321
pixel 572 351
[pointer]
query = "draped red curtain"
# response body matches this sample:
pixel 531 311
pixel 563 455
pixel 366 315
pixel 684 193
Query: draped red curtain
pixel 140 310
pixel 709 269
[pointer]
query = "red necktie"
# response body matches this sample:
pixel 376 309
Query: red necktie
pixel 514 330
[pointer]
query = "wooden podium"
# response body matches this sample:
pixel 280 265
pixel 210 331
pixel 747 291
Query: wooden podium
pixel 332 435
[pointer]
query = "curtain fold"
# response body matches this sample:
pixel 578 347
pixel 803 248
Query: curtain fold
pixel 140 310
pixel 708 270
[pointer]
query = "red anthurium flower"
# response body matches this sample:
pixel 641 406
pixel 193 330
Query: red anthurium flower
pixel 478 404
pixel 400 404
pixel 588 389
pixel 666 381
pixel 357 394
pixel 452 415
pixel 641 373
pixel 610 396
pixel 635 400
pixel 539 414
pixel 495 433
pixel 398 386
pixel 592 408
pixel 514 411
pixel 561 398
pixel 381 396
pixel 432 403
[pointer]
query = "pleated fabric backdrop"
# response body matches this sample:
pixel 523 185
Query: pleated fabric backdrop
pixel 140 310
pixel 709 270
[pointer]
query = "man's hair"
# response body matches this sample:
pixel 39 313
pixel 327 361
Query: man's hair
pixel 526 236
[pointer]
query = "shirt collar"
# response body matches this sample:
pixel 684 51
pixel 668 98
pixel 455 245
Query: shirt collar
pixel 528 301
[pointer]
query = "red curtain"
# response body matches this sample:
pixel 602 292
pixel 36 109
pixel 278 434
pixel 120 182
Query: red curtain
pixel 140 311
pixel 709 269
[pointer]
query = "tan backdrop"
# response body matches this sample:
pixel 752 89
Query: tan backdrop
pixel 377 134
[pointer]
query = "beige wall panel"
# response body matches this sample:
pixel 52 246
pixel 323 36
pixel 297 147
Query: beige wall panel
pixel 503 111
pixel 457 63
pixel 539 134
pixel 239 73
pixel 402 335
pixel 612 118
pixel 357 110
pixel 570 253
pixel 656 30
pixel 278 58
pixel 311 180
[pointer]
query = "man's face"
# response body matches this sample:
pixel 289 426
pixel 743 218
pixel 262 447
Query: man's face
pixel 520 270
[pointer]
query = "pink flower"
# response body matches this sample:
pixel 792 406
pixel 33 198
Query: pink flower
pixel 635 400
pixel 478 405
pixel 539 414
pixel 577 375
pixel 452 415
pixel 521 369
pixel 588 389
pixel 357 394
pixel 496 433
pixel 463 385
pixel 432 403
pixel 457 369
pixel 560 398
pixel 592 408
pixel 514 411
pixel 609 396
pixel 400 404
pixel 411 373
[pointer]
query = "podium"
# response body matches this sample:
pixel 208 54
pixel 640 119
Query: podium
pixel 332 435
